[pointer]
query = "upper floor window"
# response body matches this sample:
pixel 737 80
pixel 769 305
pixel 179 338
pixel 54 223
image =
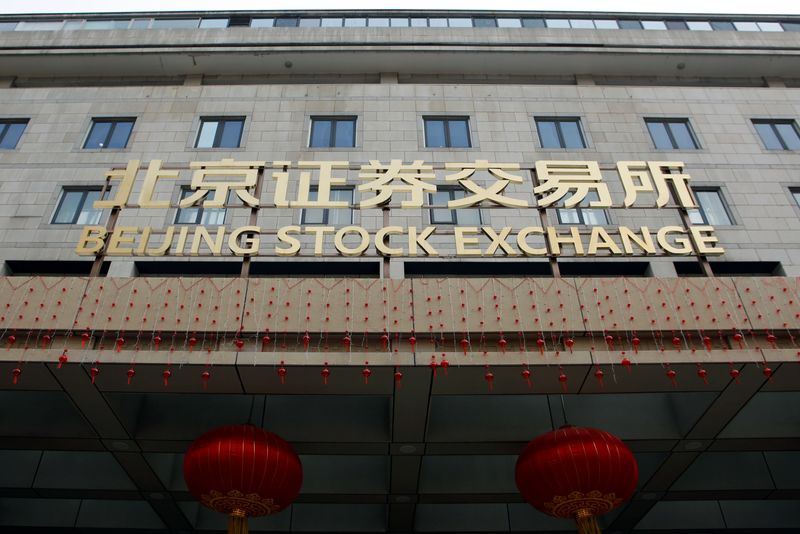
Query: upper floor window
pixel 581 215
pixel 447 132
pixel 330 216
pixel 109 133
pixel 220 132
pixel 199 214
pixel 333 132
pixel 560 133
pixel 10 132
pixel 76 207
pixel 672 134
pixel 779 134
pixel 711 207
pixel 795 191
pixel 463 216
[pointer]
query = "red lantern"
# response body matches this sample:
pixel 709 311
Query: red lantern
pixel 242 471
pixel 577 473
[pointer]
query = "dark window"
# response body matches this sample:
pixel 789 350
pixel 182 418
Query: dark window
pixel 462 216
pixel 711 208
pixel 10 132
pixel 198 214
pixel 533 23
pixel 720 25
pixel 109 133
pixel 795 191
pixel 676 25
pixel 286 22
pixel 630 25
pixel 220 132
pixel 484 23
pixel 671 134
pixel 333 132
pixel 330 216
pixel 791 26
pixel 76 207
pixel 582 215
pixel 441 132
pixel 778 134
pixel 560 133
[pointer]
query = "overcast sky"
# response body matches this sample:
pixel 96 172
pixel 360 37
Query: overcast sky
pixel 672 6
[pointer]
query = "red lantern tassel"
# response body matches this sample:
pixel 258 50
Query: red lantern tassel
pixel 237 522
pixel 586 522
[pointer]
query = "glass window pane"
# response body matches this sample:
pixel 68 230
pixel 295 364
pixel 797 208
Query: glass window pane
pixel 331 23
pixel 699 26
pixel 606 24
pixel 533 23
pixel 261 23
pixel 722 25
pixel 548 134
pixel 120 134
pixel 571 132
pixel 98 134
pixel 434 133
pixel 658 132
pixel 768 136
pixel 208 131
pixel 286 22
pixel 676 25
pixel 695 217
pixel 788 133
pixel 593 217
pixel 419 22
pixel 231 134
pixel 399 22
pixel 379 22
pixel 313 216
pixel 459 133
pixel 485 23
pixel 441 215
pixel 310 23
pixel 187 215
pixel 796 196
pixel 214 23
pixel 355 22
pixel 10 134
pixel 630 24
pixel 791 26
pixel 70 200
pixel 682 135
pixel 582 24
pixel 437 23
pixel 140 24
pixel 7 26
pixel 345 133
pixel 175 23
pixel 654 25
pixel 557 23
pixel 468 216
pixel 746 26
pixel 101 25
pixel 713 207
pixel 770 26
pixel 568 216
pixel 320 133
pixel 461 23
pixel 509 23
pixel 39 26
pixel 88 214
pixel 213 216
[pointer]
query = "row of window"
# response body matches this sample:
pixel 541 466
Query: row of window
pixel 400 22
pixel 440 132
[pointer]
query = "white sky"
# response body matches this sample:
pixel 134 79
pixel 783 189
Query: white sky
pixel 672 6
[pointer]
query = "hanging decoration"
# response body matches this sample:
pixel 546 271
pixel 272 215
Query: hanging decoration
pixel 242 471
pixel 577 473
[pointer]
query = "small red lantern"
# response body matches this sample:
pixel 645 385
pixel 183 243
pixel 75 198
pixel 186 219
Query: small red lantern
pixel 577 473
pixel 242 471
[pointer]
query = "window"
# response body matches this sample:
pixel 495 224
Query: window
pixel 580 215
pixel 795 191
pixel 199 214
pixel 76 207
pixel 671 134
pixel 333 132
pixel 220 132
pixel 463 216
pixel 109 133
pixel 778 134
pixel 330 216
pixel 712 209
pixel 560 133
pixel 10 132
pixel 447 132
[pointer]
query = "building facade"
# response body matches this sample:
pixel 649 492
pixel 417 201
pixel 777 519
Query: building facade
pixel 408 243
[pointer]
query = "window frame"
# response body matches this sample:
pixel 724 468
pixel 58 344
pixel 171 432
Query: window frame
pixel 219 133
pixel 326 211
pixel 579 209
pixel 5 125
pixel 199 207
pixel 701 210
pixel 333 119
pixel 84 190
pixel 453 212
pixel 667 122
pixel 557 121
pixel 114 121
pixel 771 123
pixel 446 119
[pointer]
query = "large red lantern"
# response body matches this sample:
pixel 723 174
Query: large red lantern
pixel 577 473
pixel 242 471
